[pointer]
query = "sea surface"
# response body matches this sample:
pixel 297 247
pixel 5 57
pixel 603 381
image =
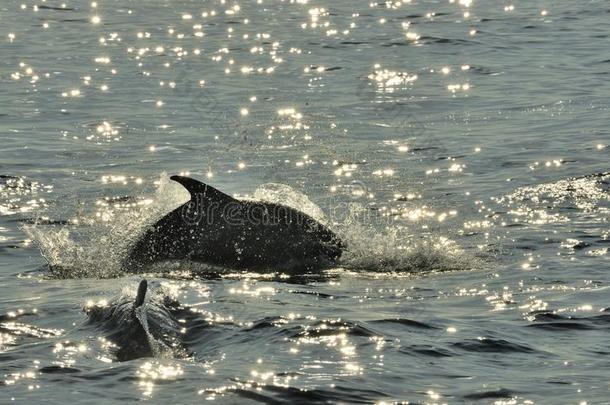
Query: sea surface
pixel 460 148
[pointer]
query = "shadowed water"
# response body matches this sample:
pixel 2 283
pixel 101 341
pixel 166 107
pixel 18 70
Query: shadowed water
pixel 459 148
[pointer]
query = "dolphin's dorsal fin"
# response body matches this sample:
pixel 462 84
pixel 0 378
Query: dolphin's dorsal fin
pixel 141 294
pixel 197 188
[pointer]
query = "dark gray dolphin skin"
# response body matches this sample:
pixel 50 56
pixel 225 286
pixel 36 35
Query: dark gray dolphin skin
pixel 134 329
pixel 126 331
pixel 217 229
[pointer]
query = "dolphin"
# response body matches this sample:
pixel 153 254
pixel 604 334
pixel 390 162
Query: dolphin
pixel 137 329
pixel 217 229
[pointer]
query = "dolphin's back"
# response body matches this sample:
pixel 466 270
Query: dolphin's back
pixel 217 229
pixel 289 236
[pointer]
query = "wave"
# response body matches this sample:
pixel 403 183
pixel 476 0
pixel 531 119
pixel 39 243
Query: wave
pixel 488 345
pixel 552 321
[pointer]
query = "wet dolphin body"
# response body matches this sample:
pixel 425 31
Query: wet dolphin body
pixel 217 229
pixel 137 330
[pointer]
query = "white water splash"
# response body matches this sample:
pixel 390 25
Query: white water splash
pixel 97 248
pixel 285 195
pixel 395 249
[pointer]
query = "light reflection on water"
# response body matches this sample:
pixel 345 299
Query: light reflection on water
pixel 461 139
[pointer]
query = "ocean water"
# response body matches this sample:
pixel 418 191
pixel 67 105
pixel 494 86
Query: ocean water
pixel 459 147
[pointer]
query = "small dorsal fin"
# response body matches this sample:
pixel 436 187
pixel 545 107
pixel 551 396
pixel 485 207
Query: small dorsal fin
pixel 141 294
pixel 197 188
